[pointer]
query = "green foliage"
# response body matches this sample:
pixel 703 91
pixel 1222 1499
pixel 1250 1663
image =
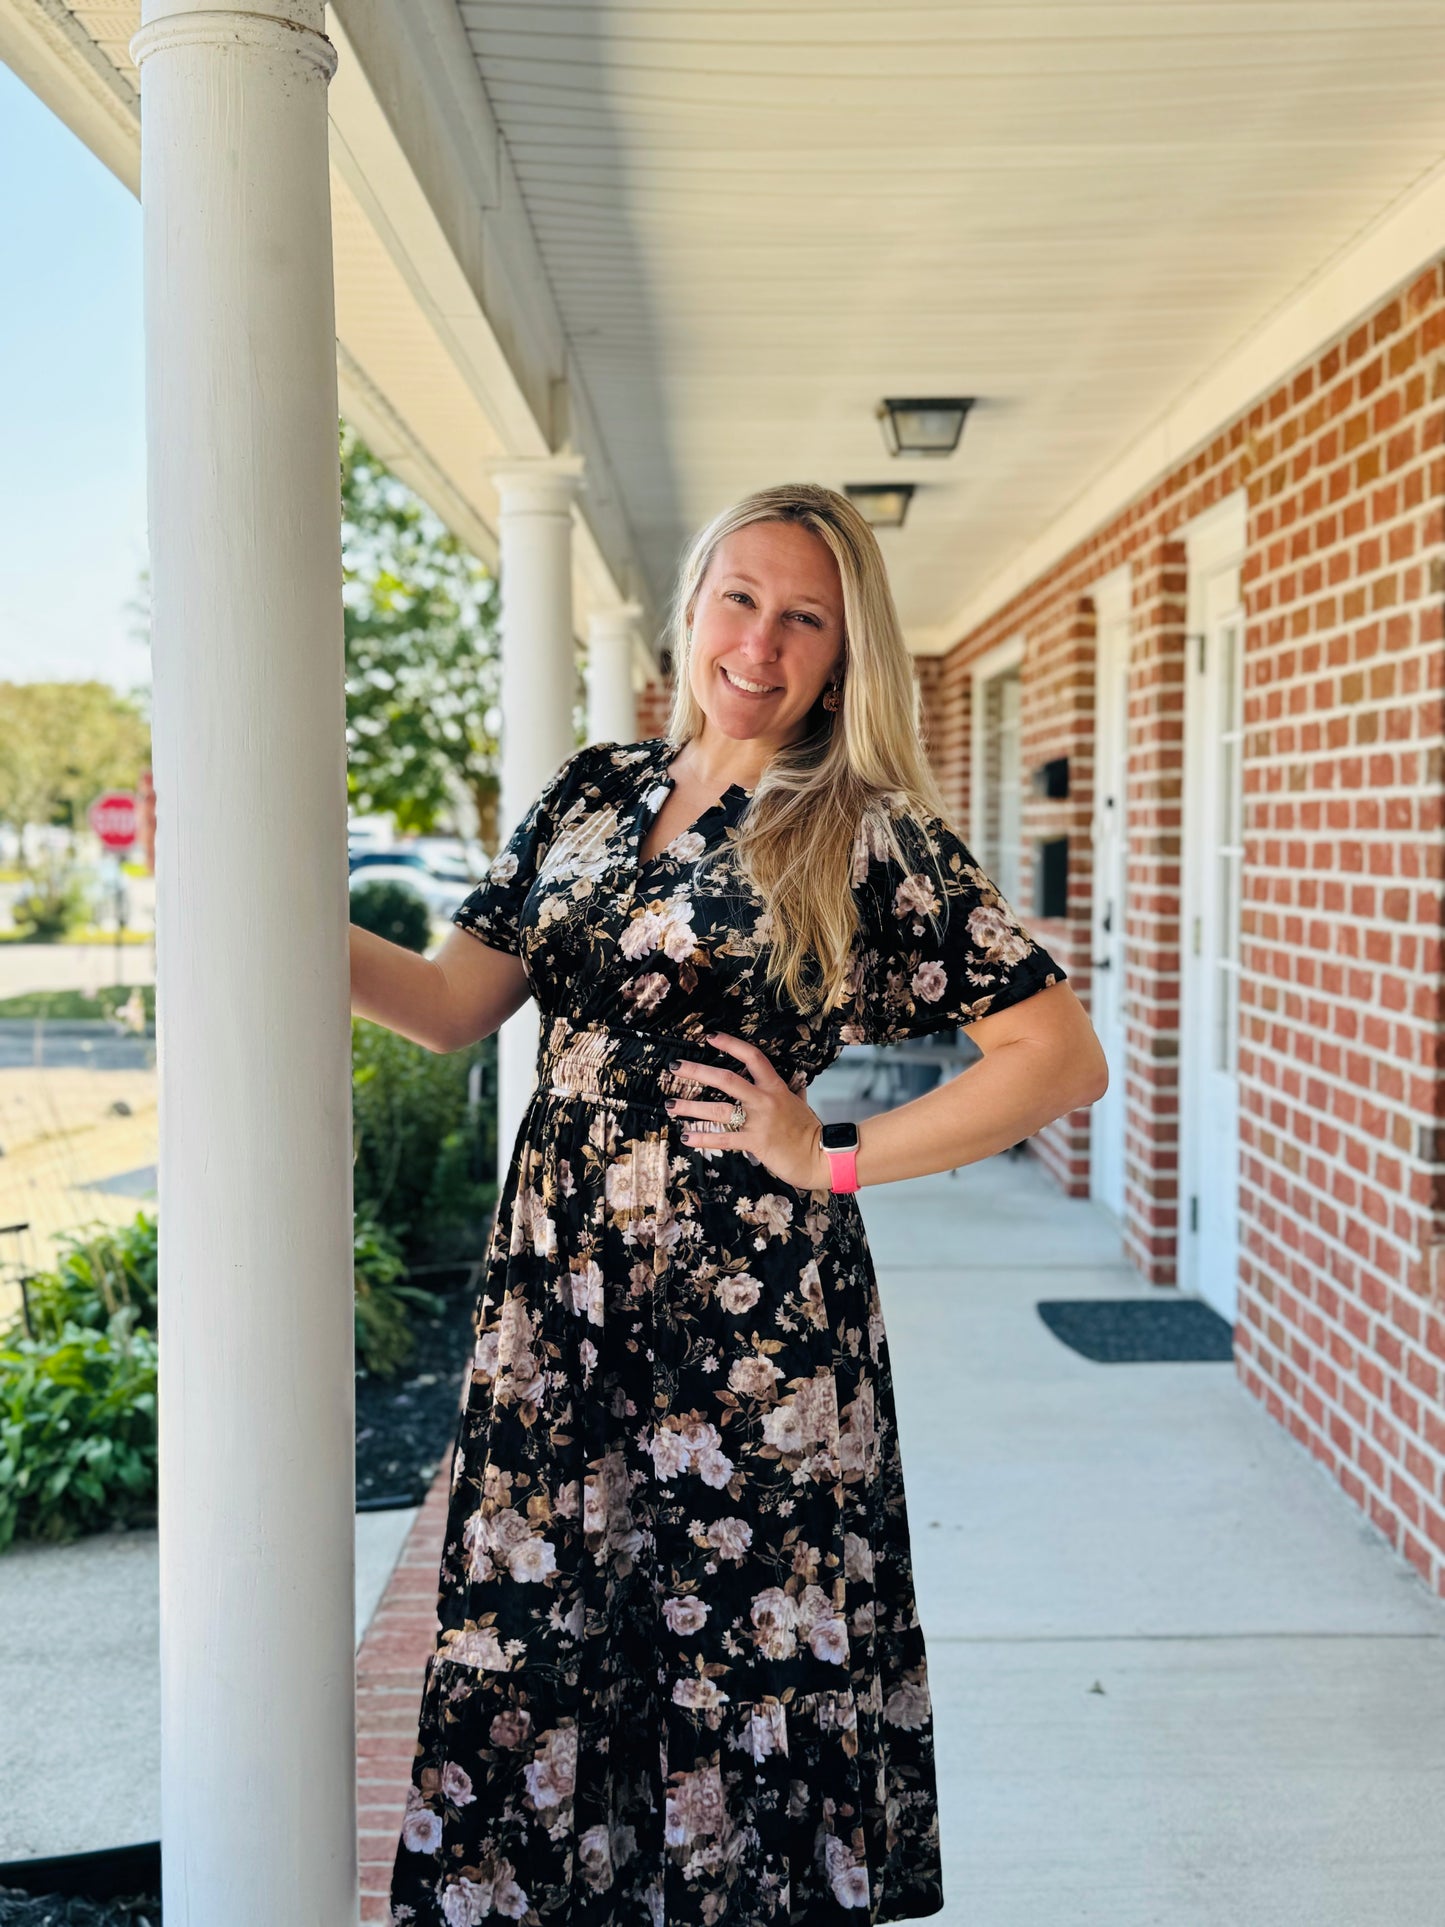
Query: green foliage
pixel 392 911
pixel 52 905
pixel 384 1338
pixel 420 1156
pixel 78 1432
pixel 78 1373
pixel 62 744
pixel 422 656
pixel 102 1276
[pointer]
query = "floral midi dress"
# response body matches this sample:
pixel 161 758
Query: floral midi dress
pixel 680 1677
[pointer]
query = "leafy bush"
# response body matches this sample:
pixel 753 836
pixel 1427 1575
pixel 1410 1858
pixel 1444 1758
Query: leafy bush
pixel 100 1275
pixel 384 1337
pixel 77 1432
pixel 423 1160
pixel 78 1371
pixel 51 908
pixel 392 911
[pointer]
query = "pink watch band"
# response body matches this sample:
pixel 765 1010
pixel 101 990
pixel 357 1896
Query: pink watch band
pixel 844 1168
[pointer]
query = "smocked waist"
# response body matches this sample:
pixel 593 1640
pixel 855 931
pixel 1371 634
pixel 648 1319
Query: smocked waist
pixel 627 1066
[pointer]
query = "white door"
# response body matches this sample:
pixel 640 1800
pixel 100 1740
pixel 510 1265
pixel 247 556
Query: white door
pixel 1109 829
pixel 1211 877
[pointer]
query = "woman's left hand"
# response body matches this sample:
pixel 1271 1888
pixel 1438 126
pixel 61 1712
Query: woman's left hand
pixel 782 1131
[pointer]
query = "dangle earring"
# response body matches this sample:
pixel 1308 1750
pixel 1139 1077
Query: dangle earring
pixel 833 695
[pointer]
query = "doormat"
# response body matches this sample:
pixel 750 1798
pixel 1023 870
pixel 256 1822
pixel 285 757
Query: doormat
pixel 1140 1331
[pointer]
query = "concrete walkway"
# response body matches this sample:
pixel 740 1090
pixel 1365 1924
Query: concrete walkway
pixel 1178 1680
pixel 80 1686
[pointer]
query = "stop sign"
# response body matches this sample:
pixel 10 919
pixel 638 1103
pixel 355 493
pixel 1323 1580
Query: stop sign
pixel 114 819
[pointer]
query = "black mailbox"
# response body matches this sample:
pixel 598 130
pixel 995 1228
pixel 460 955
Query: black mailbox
pixel 1052 779
pixel 1051 876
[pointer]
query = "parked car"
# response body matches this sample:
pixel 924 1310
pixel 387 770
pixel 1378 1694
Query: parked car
pixel 441 895
pixel 366 859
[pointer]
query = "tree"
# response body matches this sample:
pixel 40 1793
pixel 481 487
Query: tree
pixel 61 744
pixel 423 671
pixel 422 661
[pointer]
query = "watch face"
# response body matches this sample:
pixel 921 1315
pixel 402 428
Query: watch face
pixel 840 1137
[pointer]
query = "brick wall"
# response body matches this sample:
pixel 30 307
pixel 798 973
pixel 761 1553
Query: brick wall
pixel 654 704
pixel 1341 1318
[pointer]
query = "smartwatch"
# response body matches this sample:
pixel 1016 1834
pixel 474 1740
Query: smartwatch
pixel 840 1141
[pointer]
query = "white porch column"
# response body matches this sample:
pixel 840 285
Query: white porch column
pixel 611 703
pixel 539 671
pixel 257 1478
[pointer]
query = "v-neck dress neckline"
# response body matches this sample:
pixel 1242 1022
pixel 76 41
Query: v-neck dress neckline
pixel 653 800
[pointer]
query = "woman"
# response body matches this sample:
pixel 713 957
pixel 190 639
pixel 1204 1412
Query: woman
pixel 680 1676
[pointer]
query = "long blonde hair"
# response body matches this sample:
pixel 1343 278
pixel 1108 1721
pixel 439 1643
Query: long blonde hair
pixel 848 772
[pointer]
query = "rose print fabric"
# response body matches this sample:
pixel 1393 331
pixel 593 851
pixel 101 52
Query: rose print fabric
pixel 680 1675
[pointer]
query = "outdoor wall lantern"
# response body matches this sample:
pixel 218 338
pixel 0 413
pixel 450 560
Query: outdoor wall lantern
pixel 923 427
pixel 882 505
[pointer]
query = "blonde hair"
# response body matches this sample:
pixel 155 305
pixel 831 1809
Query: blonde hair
pixel 849 771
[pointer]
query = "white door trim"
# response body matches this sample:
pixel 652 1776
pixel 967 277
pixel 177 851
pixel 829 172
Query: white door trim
pixel 1109 841
pixel 1208 1232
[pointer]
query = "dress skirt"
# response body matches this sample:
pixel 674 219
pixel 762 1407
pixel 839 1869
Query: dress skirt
pixel 680 1675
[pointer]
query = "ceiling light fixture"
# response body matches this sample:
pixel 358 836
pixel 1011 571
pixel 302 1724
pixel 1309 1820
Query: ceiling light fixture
pixel 923 427
pixel 882 505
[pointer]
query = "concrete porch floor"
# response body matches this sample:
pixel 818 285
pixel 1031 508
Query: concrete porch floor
pixel 1178 1680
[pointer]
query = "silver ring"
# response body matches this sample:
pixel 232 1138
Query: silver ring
pixel 738 1117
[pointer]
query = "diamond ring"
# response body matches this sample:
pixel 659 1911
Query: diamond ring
pixel 738 1117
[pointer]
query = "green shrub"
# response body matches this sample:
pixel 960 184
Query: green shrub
pixel 423 1161
pixel 51 908
pixel 78 1380
pixel 77 1432
pixel 393 912
pixel 100 1275
pixel 384 1337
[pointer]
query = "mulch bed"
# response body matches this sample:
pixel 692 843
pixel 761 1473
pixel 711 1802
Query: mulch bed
pixel 406 1424
pixel 19 1909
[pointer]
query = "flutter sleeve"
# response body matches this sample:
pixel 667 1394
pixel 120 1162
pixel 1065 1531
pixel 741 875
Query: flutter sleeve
pixel 946 950
pixel 493 911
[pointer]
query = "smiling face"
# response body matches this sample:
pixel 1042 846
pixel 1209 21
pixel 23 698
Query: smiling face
pixel 767 631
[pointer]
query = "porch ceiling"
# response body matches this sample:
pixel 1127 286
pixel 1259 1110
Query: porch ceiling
pixel 758 220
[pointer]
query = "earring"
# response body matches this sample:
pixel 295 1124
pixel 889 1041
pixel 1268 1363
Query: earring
pixel 833 696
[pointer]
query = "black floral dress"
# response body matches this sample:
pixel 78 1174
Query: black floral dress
pixel 680 1677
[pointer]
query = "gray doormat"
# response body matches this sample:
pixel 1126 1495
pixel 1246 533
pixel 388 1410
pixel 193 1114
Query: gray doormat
pixel 1140 1331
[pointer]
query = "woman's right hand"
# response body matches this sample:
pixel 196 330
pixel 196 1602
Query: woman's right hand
pixel 464 992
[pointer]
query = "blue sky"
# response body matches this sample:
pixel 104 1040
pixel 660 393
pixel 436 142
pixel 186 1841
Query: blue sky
pixel 72 435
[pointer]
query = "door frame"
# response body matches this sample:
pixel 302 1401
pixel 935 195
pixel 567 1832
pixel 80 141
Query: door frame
pixel 1108 952
pixel 1215 544
pixel 997 661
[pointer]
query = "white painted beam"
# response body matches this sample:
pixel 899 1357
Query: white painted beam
pixel 414 137
pixel 46 47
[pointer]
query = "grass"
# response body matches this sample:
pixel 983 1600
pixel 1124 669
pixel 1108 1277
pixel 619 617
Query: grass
pixel 70 1006
pixel 85 936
